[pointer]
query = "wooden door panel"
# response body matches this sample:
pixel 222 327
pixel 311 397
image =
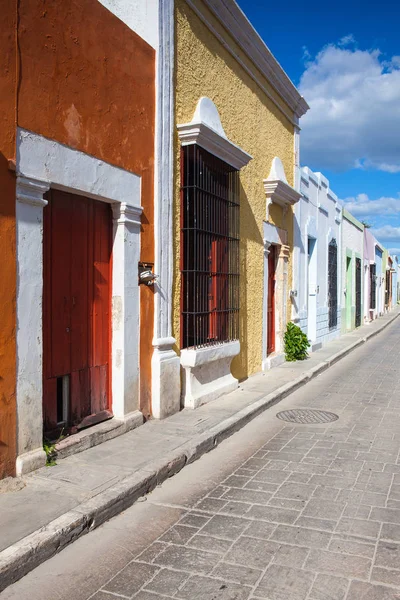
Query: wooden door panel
pixel 59 272
pixel 101 285
pixel 76 303
pixel 271 302
pixel 80 241
pixel 98 388
pixel 80 400
pixel 46 319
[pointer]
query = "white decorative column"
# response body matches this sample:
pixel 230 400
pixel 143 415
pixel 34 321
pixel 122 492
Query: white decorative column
pixel 29 229
pixel 284 258
pixel 297 242
pixel 125 310
pixel 267 250
pixel 165 364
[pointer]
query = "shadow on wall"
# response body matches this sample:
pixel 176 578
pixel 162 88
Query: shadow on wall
pixel 249 232
pixel 297 238
pixel 8 426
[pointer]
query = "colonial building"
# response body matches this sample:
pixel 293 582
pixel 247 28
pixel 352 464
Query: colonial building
pixel 316 275
pixel 157 232
pixel 236 160
pixel 81 186
pixel 352 272
pixel 374 277
pixel 369 277
pixel 380 277
pixel 395 280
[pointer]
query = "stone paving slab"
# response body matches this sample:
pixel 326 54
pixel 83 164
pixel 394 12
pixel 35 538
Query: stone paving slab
pixel 287 483
pixel 251 526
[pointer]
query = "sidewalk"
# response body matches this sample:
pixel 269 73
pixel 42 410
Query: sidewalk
pixel 53 506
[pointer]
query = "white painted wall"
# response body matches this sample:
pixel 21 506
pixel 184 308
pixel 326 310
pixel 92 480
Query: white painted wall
pixel 139 15
pixel 352 241
pixel 318 217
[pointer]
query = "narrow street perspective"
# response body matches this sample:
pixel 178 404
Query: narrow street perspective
pixel 199 300
pixel 279 511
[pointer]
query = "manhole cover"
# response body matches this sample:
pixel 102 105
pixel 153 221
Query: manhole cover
pixel 307 416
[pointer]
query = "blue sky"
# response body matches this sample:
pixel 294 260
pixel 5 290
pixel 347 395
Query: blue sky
pixel 345 59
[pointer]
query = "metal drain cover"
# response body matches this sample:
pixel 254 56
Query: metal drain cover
pixel 307 416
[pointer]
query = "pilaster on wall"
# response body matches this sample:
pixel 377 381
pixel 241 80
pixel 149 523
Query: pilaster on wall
pixel 125 314
pixel 267 250
pixel 29 228
pixel 165 362
pixel 296 256
pixel 281 295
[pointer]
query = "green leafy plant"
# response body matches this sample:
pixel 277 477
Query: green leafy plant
pixel 51 453
pixel 296 343
pixel 51 450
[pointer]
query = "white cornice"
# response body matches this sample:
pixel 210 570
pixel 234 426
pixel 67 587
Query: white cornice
pixel 31 191
pixel 281 193
pixel 206 131
pixel 125 213
pixel 277 188
pixel 241 30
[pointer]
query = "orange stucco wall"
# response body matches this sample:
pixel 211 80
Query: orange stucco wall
pixel 7 239
pixel 88 81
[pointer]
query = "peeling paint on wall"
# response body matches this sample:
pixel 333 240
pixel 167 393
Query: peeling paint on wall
pixel 73 125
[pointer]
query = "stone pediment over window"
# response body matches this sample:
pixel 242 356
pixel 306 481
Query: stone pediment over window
pixel 205 130
pixel 277 188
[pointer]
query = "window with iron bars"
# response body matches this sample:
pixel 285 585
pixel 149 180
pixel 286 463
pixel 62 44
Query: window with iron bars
pixel 372 286
pixel 387 288
pixel 209 249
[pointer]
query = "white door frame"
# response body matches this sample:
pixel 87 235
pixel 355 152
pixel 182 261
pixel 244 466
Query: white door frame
pixel 312 290
pixel 41 164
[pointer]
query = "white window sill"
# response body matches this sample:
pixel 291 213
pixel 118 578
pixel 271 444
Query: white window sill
pixel 194 357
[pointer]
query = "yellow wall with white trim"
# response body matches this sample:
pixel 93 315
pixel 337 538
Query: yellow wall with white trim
pixel 253 122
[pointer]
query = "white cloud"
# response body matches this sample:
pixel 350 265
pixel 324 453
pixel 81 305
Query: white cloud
pixel 354 119
pixel 361 205
pixel 346 40
pixel 386 232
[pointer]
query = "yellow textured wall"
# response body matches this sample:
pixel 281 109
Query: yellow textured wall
pixel 252 121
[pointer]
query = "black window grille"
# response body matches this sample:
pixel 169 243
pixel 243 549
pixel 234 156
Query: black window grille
pixel 209 249
pixel 372 286
pixel 332 283
pixel 387 288
pixel 358 292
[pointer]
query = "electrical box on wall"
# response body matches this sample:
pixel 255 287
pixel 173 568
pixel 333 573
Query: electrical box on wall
pixel 145 273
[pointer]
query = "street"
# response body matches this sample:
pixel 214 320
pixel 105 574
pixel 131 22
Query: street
pixel 279 511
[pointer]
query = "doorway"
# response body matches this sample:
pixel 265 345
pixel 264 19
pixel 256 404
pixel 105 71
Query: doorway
pixel 271 300
pixel 76 312
pixel 332 284
pixel 349 286
pixel 358 292
pixel 312 290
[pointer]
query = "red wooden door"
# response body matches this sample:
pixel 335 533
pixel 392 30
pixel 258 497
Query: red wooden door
pixel 76 310
pixel 271 301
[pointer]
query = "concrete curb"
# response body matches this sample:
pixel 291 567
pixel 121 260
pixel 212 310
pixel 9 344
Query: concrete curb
pixel 28 553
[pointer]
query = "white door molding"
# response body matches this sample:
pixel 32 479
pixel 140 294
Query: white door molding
pixel 41 164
